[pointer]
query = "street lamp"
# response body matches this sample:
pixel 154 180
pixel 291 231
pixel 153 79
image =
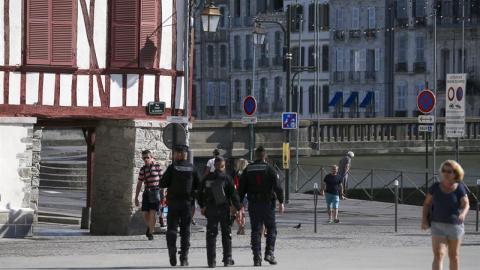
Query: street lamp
pixel 259 34
pixel 287 68
pixel 210 18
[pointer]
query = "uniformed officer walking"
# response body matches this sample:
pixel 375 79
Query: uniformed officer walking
pixel 262 185
pixel 218 200
pixel 182 180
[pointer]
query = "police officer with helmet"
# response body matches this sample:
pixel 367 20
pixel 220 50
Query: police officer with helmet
pixel 261 184
pixel 182 180
pixel 218 201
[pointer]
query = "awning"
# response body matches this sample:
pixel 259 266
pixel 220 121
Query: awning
pixel 335 99
pixel 366 100
pixel 351 99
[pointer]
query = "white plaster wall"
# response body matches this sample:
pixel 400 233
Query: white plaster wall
pixel 166 44
pixel 100 31
pixel 132 90
pixel 15 30
pixel 165 90
pixel 96 96
pixel 14 88
pixel 83 49
pixel 48 89
pixel 2 28
pixel 180 94
pixel 180 14
pixel 11 187
pixel 65 90
pixel 148 89
pixel 1 87
pixel 116 91
pixel 82 90
pixel 32 87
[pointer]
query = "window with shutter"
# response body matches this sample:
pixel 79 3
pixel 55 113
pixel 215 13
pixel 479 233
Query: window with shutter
pixel 51 32
pixel 134 33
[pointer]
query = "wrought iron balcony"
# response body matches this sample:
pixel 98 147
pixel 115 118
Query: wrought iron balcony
pixel 355 34
pixel 338 35
pixel 371 33
pixel 401 67
pixel 370 75
pixel 419 67
pixel 354 76
pixel 338 76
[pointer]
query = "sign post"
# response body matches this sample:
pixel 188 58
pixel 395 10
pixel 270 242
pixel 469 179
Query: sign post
pixel 426 104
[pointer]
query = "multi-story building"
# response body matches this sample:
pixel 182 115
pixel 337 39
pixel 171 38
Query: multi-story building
pixel 360 77
pixel 415 59
pixel 310 24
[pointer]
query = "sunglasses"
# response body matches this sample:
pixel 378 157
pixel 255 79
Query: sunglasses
pixel 145 158
pixel 447 171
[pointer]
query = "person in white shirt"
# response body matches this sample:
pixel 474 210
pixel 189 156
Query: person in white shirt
pixel 211 162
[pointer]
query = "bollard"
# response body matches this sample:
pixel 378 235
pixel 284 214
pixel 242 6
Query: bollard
pixel 478 193
pixel 396 203
pixel 315 199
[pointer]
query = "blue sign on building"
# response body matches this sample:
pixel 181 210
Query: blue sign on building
pixel 289 120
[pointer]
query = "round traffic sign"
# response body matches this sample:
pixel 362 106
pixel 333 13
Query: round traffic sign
pixel 249 105
pixel 459 94
pixel 426 101
pixel 451 93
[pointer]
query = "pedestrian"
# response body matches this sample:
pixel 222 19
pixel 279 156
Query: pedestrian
pixel 447 214
pixel 182 180
pixel 332 189
pixel 241 220
pixel 219 202
pixel 343 169
pixel 261 184
pixel 149 176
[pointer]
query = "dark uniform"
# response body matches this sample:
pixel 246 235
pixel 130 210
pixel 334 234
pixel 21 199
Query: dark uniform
pixel 182 180
pixel 260 181
pixel 217 193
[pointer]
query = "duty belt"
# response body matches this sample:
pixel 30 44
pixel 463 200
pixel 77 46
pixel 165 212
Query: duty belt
pixel 259 197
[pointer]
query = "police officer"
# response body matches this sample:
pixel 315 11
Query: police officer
pixel 262 184
pixel 182 180
pixel 218 200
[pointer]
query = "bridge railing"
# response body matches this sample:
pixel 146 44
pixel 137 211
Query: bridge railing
pixel 369 183
pixel 384 129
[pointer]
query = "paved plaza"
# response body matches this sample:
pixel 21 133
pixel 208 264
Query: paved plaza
pixel 365 239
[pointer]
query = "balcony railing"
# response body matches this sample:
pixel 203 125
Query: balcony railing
pixel 338 76
pixel 278 61
pixel 370 75
pixel 419 67
pixel 371 33
pixel 355 34
pixel 401 67
pixel 338 35
pixel 354 76
pixel 248 63
pixel 264 62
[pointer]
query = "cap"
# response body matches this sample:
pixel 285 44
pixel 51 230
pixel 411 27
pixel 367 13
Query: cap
pixel 216 152
pixel 180 148
pixel 260 150
pixel 350 154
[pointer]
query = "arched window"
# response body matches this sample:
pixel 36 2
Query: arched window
pixel 248 87
pixel 238 91
pixel 277 95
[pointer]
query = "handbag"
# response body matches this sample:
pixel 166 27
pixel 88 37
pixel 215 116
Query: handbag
pixel 153 194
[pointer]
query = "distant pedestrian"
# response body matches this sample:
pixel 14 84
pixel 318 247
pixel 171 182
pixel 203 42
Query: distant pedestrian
pixel 260 181
pixel 450 207
pixel 149 175
pixel 241 220
pixel 332 189
pixel 210 167
pixel 182 180
pixel 343 169
pixel 218 200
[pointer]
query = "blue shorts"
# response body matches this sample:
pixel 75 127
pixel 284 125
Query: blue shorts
pixel 332 200
pixel 447 230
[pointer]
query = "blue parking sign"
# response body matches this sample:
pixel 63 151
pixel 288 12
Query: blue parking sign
pixel 289 120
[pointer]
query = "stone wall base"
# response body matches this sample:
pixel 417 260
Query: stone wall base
pixel 16 223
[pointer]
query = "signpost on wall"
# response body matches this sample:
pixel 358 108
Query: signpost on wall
pixel 455 108
pixel 426 104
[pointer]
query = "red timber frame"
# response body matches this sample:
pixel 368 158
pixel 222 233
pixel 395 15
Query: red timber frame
pixel 94 72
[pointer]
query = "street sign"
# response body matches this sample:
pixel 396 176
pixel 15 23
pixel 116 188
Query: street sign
pixel 455 105
pixel 174 134
pixel 426 101
pixel 426 119
pixel 156 107
pixel 286 155
pixel 249 105
pixel 177 119
pixel 425 128
pixel 249 120
pixel 289 120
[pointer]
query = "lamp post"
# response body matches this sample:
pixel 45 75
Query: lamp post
pixel 287 68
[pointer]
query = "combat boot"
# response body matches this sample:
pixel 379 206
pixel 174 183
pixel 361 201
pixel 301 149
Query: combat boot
pixel 212 264
pixel 269 255
pixel 228 262
pixel 257 260
pixel 184 258
pixel 172 253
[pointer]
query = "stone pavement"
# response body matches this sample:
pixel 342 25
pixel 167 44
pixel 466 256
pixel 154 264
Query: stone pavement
pixel 365 239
